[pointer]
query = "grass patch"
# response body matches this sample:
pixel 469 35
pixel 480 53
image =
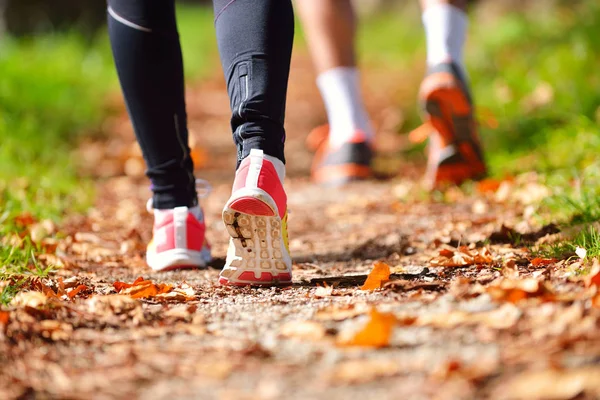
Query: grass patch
pixel 18 264
pixel 588 239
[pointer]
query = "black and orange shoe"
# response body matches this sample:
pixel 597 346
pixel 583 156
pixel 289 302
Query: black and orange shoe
pixel 342 164
pixel 455 154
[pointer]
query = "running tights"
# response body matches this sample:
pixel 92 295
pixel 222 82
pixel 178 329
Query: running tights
pixel 255 43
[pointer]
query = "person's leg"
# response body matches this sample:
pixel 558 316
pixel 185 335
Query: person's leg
pixel 147 55
pixel 330 28
pixel 445 23
pixel 455 153
pixel 255 42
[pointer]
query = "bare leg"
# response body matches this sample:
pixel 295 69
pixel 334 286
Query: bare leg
pixel 330 28
pixel 344 152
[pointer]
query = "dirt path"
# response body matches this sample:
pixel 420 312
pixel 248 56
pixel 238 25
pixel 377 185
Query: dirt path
pixel 498 325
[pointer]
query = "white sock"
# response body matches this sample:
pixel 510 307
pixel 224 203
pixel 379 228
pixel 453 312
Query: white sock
pixel 340 89
pixel 446 32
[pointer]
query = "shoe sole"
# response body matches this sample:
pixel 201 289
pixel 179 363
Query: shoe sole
pixel 446 106
pixel 174 259
pixel 261 257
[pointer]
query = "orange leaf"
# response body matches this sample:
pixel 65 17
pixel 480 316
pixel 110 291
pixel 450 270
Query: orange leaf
pixel 488 185
pixel 595 301
pixel 593 279
pixel 376 333
pixel 121 285
pixel 379 275
pixel 542 261
pixel 24 220
pixel 140 288
pixel 446 253
pixel 142 291
pixel 138 280
pixel 74 292
pixel 4 317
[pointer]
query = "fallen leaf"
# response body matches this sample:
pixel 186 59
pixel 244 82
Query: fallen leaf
pixel 29 299
pixel 593 278
pixel 596 301
pixel 75 291
pixel 551 384
pixel 376 333
pixel 536 262
pixel 323 291
pixel 341 312
pixel 462 257
pixel 4 317
pixel 55 330
pixel 503 317
pixel 122 285
pixel 363 371
pixel 305 330
pixel 24 220
pixel 509 269
pixel 488 185
pixel 379 275
pixel 515 290
pixel 581 252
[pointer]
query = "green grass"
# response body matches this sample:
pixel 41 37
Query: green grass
pixel 53 91
pixel 588 239
pixel 18 264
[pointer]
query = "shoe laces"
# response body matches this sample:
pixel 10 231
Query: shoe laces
pixel 203 189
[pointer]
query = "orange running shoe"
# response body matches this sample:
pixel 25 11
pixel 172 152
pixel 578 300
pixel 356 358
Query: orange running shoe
pixel 455 153
pixel 339 165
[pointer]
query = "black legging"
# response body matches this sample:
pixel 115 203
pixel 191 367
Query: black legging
pixel 255 42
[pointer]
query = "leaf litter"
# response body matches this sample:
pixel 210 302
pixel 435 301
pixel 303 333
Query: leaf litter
pixel 458 314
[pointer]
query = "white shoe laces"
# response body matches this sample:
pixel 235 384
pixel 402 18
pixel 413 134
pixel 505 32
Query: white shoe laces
pixel 203 189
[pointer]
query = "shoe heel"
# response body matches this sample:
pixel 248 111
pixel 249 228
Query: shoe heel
pixel 252 206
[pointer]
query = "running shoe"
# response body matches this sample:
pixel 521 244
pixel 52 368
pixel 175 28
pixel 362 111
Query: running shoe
pixel 178 239
pixel 256 219
pixel 341 164
pixel 455 153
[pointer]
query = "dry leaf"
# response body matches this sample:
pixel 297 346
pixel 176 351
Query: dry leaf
pixel 536 262
pixel 503 317
pixel 462 257
pixel 4 317
pixel 24 220
pixel 509 269
pixel 376 333
pixel 515 290
pixel 122 285
pixel 341 312
pixel 379 275
pixel 363 371
pixel 29 299
pixel 323 291
pixel 75 291
pixel 593 278
pixel 305 330
pixel 488 185
pixel 581 252
pixel 141 289
pixel 552 384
